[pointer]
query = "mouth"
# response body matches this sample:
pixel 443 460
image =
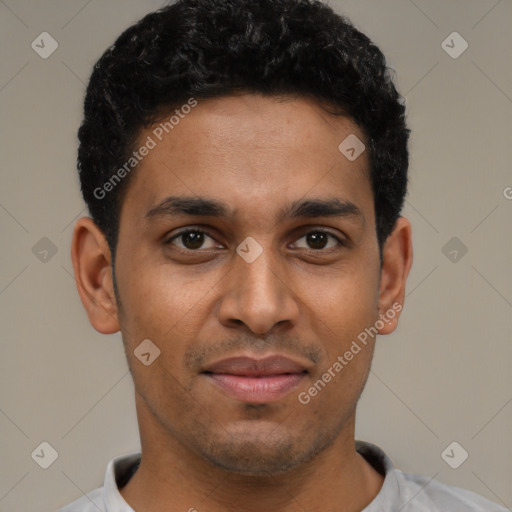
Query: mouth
pixel 256 381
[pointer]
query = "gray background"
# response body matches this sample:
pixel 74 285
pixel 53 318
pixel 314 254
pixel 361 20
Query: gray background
pixel 443 376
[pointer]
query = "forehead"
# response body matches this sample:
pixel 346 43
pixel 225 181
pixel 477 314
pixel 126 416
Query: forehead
pixel 253 153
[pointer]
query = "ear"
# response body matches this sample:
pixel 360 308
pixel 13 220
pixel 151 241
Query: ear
pixel 93 275
pixel 396 264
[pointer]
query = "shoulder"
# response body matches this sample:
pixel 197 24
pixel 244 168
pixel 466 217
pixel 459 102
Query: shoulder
pixel 409 492
pixel 91 502
pixel 108 498
pixel 421 493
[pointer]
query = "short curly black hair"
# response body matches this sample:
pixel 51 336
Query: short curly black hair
pixel 214 48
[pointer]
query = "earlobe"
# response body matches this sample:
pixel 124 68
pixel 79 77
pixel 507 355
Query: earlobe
pixel 93 276
pixel 396 264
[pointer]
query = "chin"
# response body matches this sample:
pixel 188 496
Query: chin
pixel 253 459
pixel 267 450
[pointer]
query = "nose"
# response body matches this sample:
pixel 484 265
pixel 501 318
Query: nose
pixel 258 294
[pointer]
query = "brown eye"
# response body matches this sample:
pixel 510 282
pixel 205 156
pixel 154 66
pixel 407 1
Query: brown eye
pixel 191 239
pixel 317 240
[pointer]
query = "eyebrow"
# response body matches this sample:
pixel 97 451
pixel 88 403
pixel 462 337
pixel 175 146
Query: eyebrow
pixel 303 208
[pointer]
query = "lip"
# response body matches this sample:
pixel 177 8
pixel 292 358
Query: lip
pixel 256 380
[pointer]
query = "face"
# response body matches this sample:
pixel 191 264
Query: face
pixel 247 254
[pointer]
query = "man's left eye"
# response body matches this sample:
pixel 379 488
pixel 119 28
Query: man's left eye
pixel 320 240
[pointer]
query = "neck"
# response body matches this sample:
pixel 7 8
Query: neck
pixel 173 478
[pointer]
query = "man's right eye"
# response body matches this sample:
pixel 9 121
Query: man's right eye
pixel 191 239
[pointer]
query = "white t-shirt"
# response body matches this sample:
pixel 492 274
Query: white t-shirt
pixel 400 491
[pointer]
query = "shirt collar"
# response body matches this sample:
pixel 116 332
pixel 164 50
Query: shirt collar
pixel 387 500
pixel 121 469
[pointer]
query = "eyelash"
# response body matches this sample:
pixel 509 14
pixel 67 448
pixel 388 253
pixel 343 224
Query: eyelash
pixel 201 231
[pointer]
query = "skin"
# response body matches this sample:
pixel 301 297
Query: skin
pixel 201 448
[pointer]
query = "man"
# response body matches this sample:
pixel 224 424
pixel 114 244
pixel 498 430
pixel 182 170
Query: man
pixel 245 165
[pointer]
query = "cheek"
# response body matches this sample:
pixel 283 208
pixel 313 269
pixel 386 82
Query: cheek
pixel 334 392
pixel 169 310
pixel 157 302
pixel 159 308
pixel 345 304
